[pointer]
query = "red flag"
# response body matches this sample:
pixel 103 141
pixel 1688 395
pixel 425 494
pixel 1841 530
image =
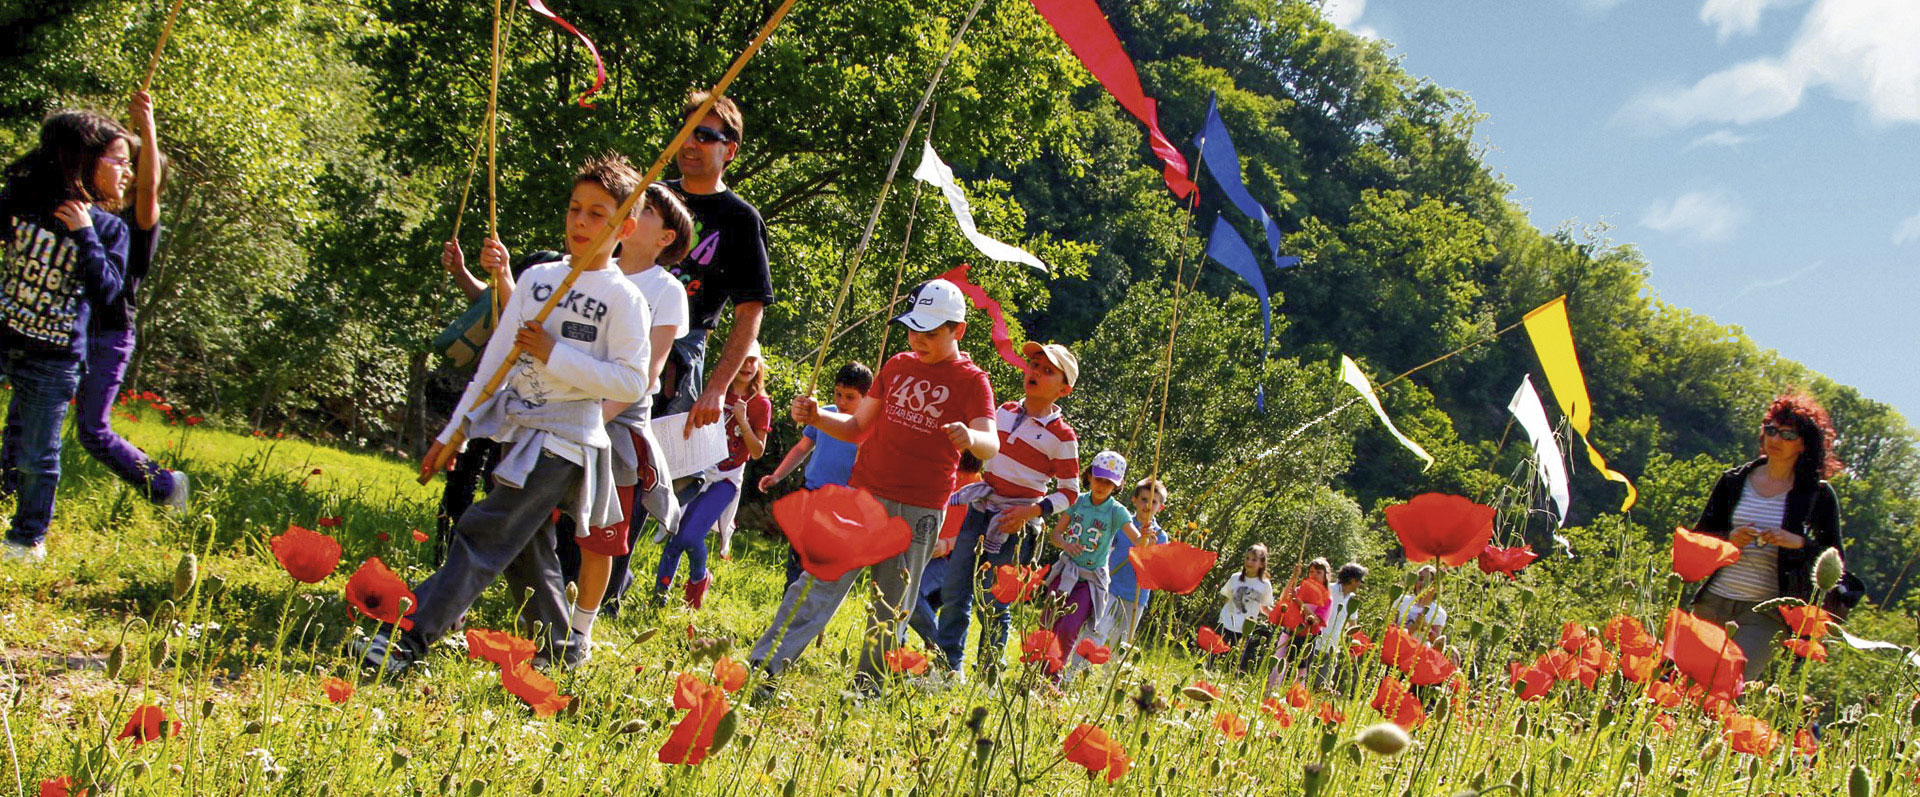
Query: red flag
pixel 1002 337
pixel 599 67
pixel 1086 32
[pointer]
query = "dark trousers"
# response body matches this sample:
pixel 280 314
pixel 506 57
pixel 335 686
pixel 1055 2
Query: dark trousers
pixel 41 389
pixel 472 470
pixel 108 353
pixel 972 568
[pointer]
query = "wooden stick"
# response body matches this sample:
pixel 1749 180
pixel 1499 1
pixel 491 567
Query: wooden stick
pixel 166 29
pixel 473 165
pixel 602 244
pixel 1173 329
pixel 493 146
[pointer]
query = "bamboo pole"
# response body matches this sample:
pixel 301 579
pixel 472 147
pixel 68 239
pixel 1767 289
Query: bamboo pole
pixel 166 30
pixel 602 244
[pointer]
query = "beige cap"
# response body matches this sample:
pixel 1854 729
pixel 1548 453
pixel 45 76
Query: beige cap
pixel 1057 354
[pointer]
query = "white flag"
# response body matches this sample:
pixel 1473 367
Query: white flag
pixel 935 171
pixel 1526 409
pixel 1350 373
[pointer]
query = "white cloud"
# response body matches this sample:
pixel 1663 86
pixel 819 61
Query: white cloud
pixel 1736 17
pixel 1861 51
pixel 1343 13
pixel 1770 284
pixel 1908 231
pixel 1721 138
pixel 1700 215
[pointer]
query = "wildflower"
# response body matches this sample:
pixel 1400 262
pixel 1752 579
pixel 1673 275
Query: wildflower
pixel 146 724
pixel 730 674
pixel 419 536
pixel 902 660
pixel 1230 725
pixel 1702 651
pixel 1091 747
pixel 1626 633
pixel 1662 694
pixel 706 705
pixel 308 556
pixel 1534 680
pixel 1638 667
pixel 1806 648
pixel 194 420
pixel 1804 742
pixel 1750 735
pixel 1431 667
pixel 1449 528
pixel 1042 647
pixel 1394 702
pixel 330 522
pixel 1664 721
pixel 337 690
pixel 1806 621
pixel 1398 649
pixel 836 529
pixel 1210 641
pixel 1292 616
pixel 1297 695
pixel 377 593
pixel 1311 593
pixel 1173 566
pixel 1278 710
pixel 1506 560
pixel 1330 715
pixel 504 650
pixel 60 787
pixel 1358 643
pixel 537 690
pixel 1016 583
pixel 1696 556
pixel 1093 652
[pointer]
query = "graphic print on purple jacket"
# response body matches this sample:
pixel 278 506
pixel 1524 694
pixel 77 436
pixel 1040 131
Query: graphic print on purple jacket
pixel 51 277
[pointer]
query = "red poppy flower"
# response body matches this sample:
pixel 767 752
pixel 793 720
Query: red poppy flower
pixel 1210 689
pixel 1431 667
pixel 1664 722
pixel 1092 748
pixel 146 724
pixel 308 556
pixel 1445 527
pixel 377 593
pixel 1210 641
pixel 1394 702
pixel 730 674
pixel 903 660
pixel 505 650
pixel 1330 715
pixel 337 690
pixel 1561 663
pixel 1312 593
pixel 836 529
pixel 1626 633
pixel 1398 649
pixel 60 787
pixel 1042 647
pixel 1807 648
pixel 1506 560
pixel 329 522
pixel 194 420
pixel 1173 566
pixel 1702 651
pixel 692 738
pixel 1696 556
pixel 1806 621
pixel 1639 667
pixel 1534 680
pixel 1358 643
pixel 1016 583
pixel 1804 743
pixel 419 536
pixel 1573 637
pixel 382 536
pixel 1298 696
pixel 1751 735
pixel 1093 652
pixel 1230 725
pixel 1662 694
pixel 537 690
pixel 1287 613
pixel 1278 711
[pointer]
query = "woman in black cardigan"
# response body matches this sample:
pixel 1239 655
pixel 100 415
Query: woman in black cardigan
pixel 1782 513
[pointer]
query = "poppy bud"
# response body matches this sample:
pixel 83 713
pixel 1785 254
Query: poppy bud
pixel 976 718
pixel 723 732
pixel 477 787
pixel 1913 713
pixel 559 748
pixel 157 655
pixel 573 593
pixel 1645 760
pixel 1313 778
pixel 1859 783
pixel 1385 739
pixel 1327 741
pixel 253 727
pixel 1827 571
pixel 137 768
pixel 1732 628
pixel 792 788
pixel 206 708
pixel 116 659
pixel 631 726
pixel 539 785
pixel 646 635
pixel 1197 694
pixel 188 571
pixel 401 756
pixel 1675 582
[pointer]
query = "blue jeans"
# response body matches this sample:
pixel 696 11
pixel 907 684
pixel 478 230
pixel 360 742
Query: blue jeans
pixel 924 621
pixel 956 590
pixel 699 517
pixel 41 389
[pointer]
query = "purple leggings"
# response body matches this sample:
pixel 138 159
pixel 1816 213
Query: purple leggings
pixel 1066 627
pixel 696 519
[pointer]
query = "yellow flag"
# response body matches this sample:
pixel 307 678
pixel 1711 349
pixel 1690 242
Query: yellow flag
pixel 1552 336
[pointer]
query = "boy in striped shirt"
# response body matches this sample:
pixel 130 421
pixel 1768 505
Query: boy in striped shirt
pixel 1036 474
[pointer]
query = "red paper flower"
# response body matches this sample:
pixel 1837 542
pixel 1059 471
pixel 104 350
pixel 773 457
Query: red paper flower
pixel 1230 725
pixel 1806 621
pixel 1210 641
pixel 1627 634
pixel 1696 556
pixel 692 738
pixel 837 529
pixel 902 660
pixel 1751 735
pixel 1016 583
pixel 1278 711
pixel 1639 667
pixel 1702 651
pixel 377 593
pixel 146 724
pixel 505 650
pixel 1445 527
pixel 1210 689
pixel 419 536
pixel 1173 566
pixel 1394 702
pixel 1093 652
pixel 1664 721
pixel 1090 747
pixel 1358 643
pixel 1573 636
pixel 1807 648
pixel 537 690
pixel 337 690
pixel 1506 560
pixel 730 674
pixel 1042 647
pixel 308 556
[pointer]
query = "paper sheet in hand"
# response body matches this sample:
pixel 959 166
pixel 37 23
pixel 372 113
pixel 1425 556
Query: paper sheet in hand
pixel 687 455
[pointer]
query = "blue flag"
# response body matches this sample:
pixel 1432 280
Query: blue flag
pixel 1220 158
pixel 1227 248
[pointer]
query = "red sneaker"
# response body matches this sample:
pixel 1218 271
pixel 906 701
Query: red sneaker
pixel 697 591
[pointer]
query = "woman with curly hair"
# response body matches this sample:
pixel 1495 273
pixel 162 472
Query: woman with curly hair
pixel 1782 513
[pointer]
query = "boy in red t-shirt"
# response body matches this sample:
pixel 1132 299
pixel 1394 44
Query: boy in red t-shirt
pixel 929 404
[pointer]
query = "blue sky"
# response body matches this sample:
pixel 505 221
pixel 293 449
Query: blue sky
pixel 1764 155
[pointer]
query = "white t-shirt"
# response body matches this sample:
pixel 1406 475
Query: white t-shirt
pixel 1408 614
pixel 1337 613
pixel 667 298
pixel 1246 598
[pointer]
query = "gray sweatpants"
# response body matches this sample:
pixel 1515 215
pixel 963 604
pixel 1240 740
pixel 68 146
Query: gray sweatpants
pixel 509 533
pixel 1757 631
pixel 810 603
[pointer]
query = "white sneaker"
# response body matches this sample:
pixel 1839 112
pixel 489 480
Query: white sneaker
pixel 181 489
pixel 15 552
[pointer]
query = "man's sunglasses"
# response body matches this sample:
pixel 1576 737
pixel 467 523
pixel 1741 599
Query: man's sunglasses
pixel 1774 430
pixel 708 135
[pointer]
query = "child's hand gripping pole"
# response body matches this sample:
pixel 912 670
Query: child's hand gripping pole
pixel 603 241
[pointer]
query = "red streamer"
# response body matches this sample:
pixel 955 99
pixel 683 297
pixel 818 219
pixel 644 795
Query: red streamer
pixel 599 67
pixel 1002 337
pixel 1087 32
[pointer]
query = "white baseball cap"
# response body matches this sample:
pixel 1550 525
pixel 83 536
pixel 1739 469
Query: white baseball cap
pixel 933 303
pixel 1110 465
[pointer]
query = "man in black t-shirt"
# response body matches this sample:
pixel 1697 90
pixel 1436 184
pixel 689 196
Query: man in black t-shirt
pixel 728 263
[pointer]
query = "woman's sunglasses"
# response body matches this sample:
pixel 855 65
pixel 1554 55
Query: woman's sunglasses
pixel 1775 430
pixel 708 135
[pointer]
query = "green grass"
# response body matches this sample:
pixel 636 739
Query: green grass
pixel 239 657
